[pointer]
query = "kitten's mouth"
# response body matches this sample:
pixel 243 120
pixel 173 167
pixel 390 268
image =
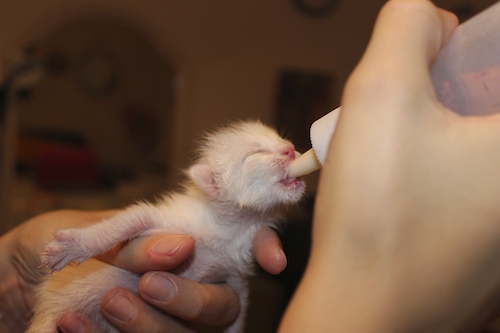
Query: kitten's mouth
pixel 287 181
pixel 291 182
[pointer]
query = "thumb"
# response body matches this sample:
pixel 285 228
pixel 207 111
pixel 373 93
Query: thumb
pixel 407 36
pixel 72 322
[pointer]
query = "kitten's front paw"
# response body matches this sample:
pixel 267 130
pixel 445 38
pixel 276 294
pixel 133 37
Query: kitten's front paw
pixel 62 250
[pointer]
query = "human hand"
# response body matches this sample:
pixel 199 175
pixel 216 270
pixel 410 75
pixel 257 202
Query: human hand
pixel 209 304
pixel 406 232
pixel 185 300
pixel 20 270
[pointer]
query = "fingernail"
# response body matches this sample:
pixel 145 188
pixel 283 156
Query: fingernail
pixel 121 308
pixel 72 325
pixel 159 287
pixel 167 246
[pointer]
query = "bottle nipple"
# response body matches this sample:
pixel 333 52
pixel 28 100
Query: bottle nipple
pixel 304 164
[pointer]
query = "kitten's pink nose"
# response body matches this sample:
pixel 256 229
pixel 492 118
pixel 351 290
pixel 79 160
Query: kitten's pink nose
pixel 290 152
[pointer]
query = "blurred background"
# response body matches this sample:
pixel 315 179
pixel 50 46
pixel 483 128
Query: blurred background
pixel 102 101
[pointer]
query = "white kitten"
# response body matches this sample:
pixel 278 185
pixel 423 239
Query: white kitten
pixel 237 186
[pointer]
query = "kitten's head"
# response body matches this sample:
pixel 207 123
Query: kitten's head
pixel 247 164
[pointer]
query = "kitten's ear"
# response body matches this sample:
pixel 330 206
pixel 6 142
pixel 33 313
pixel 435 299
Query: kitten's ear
pixel 203 176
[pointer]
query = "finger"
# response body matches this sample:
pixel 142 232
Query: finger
pixel 158 252
pixel 129 313
pixel 412 28
pixel 268 251
pixel 213 304
pixel 407 36
pixel 72 322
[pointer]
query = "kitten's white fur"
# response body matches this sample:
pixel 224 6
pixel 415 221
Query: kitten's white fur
pixel 236 187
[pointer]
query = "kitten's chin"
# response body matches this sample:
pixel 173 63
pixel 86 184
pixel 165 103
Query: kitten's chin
pixel 293 187
pixel 291 182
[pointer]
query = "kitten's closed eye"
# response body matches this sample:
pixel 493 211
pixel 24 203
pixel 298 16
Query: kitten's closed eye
pixel 259 151
pixel 263 151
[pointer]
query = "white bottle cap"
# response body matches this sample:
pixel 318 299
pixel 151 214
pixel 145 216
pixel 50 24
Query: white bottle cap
pixel 321 134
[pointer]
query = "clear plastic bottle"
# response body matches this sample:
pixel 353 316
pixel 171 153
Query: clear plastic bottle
pixel 466 73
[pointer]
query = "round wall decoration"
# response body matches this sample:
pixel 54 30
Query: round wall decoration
pixel 316 8
pixel 98 72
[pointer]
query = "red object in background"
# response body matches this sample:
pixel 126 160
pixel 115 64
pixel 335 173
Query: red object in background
pixel 66 167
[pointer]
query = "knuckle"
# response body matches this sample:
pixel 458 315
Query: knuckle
pixel 201 304
pixel 219 310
